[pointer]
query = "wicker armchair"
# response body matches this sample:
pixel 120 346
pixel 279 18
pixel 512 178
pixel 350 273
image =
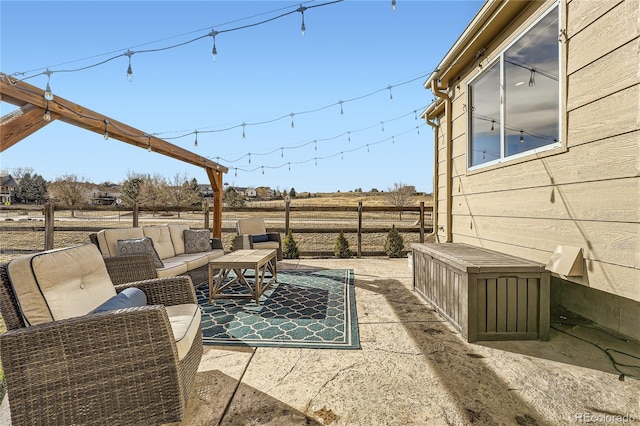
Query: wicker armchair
pixel 118 367
pixel 252 234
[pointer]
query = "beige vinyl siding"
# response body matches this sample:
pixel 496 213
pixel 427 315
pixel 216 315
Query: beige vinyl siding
pixel 587 196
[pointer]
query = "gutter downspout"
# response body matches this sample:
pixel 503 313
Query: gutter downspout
pixel 437 91
pixel 434 231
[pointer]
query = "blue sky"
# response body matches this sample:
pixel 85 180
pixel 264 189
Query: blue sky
pixel 352 51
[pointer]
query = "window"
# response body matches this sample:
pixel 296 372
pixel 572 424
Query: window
pixel 515 103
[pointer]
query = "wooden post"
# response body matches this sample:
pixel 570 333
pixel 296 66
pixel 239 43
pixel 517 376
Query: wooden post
pixel 286 216
pixel 205 207
pixel 135 215
pixel 215 178
pixel 422 221
pixel 359 229
pixel 48 226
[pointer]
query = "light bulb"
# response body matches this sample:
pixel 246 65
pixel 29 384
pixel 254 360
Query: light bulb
pixel 106 130
pixel 214 51
pixel 390 94
pixel 129 53
pixel 47 115
pixel 303 28
pixel 195 143
pixel 393 4
pixel 48 95
pixel 521 136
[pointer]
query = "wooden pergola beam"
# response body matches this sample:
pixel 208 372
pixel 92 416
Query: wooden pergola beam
pixel 17 125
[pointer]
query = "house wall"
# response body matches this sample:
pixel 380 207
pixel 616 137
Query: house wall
pixel 585 194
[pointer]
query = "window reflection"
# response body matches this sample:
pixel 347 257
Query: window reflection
pixel 531 97
pixel 485 117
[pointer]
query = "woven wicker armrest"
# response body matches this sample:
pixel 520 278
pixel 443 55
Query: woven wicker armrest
pixel 216 243
pixel 124 269
pixel 273 236
pixel 128 354
pixel 166 291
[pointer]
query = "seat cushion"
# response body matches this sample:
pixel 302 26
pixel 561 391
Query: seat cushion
pixel 173 266
pixel 185 324
pixel 108 239
pixel 58 284
pixel 177 237
pixel 161 240
pixel 251 227
pixel 266 245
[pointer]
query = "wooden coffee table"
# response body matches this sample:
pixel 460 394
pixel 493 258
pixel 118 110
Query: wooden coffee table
pixel 240 261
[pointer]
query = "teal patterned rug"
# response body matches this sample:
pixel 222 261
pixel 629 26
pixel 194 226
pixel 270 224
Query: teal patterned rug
pixel 304 309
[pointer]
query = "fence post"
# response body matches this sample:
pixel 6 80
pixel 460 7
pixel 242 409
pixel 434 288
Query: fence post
pixel 48 226
pixel 135 215
pixel 286 216
pixel 359 229
pixel 206 214
pixel 421 221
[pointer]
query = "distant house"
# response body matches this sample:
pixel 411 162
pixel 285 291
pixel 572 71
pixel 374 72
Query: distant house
pixel 106 195
pixel 8 187
pixel 536 147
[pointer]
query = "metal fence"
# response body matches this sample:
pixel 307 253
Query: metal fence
pixel 27 229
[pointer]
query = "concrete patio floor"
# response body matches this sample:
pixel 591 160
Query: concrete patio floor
pixel 413 368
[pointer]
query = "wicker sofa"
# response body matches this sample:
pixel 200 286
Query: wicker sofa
pixel 68 359
pixel 175 255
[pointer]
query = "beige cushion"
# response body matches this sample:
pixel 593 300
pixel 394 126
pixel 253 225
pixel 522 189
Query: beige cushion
pixel 172 267
pixel 161 240
pixel 185 322
pixel 251 227
pixel 108 239
pixel 177 237
pixel 266 245
pixel 59 284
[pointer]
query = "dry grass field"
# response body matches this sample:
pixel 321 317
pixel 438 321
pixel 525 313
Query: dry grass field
pixel 23 230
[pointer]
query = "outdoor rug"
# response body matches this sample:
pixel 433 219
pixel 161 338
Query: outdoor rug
pixel 304 309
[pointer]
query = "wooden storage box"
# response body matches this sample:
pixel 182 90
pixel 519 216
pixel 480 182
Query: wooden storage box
pixel 486 295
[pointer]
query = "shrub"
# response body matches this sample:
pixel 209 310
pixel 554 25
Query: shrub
pixel 341 248
pixel 290 247
pixel 394 245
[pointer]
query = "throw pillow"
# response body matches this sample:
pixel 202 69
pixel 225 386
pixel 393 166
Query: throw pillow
pixel 139 246
pixel 128 298
pixel 197 240
pixel 260 238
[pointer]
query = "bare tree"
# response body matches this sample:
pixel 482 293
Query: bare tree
pixel 184 193
pixel 399 195
pixel 70 191
pixel 154 191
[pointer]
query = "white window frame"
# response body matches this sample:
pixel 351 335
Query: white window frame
pixel 500 58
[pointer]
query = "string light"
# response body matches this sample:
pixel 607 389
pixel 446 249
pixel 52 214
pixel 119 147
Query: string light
pixel 195 143
pixel 349 136
pixel 521 136
pixel 382 125
pixel 301 9
pixel 47 113
pixel 48 95
pixel 393 5
pixel 415 114
pixel 249 154
pixel 292 125
pixel 149 143
pixel 532 78
pixel 214 51
pixel 493 122
pixel 390 94
pixel 106 130
pixel 341 110
pixel 129 53
pixel 244 135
